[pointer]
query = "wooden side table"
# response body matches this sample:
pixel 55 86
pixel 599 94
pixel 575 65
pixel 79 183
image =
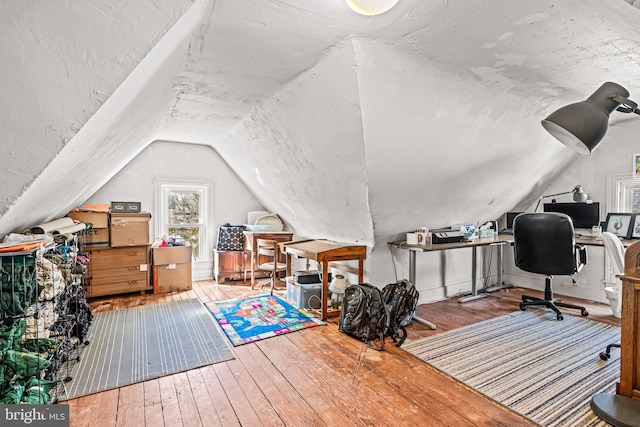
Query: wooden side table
pixel 328 254
pixel 229 265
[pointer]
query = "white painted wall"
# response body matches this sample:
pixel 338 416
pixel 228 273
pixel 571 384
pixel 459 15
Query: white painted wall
pixel 125 123
pixel 352 128
pixel 443 275
pixel 613 156
pixel 61 62
pixel 302 152
pixel 181 162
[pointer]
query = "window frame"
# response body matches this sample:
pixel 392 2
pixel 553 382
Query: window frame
pixel 623 194
pixel 163 188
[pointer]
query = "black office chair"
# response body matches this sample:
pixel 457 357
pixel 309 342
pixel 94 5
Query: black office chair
pixel 544 243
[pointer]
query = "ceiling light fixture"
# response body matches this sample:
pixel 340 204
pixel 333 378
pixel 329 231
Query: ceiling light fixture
pixel 371 7
pixel 581 126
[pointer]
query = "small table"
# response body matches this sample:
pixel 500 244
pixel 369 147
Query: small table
pixel 473 244
pixel 251 242
pixel 326 252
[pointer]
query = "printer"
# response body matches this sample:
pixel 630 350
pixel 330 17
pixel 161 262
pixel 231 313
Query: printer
pixel 447 236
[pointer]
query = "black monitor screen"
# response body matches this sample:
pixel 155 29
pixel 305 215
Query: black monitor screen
pixel 510 217
pixel 583 215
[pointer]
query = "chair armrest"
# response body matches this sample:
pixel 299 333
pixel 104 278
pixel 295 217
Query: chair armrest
pixel 581 257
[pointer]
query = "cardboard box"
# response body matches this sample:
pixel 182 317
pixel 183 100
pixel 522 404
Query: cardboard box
pixel 171 269
pixel 129 229
pixel 96 237
pixel 98 219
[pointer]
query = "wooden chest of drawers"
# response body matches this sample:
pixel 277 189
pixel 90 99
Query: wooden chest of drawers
pixel 119 270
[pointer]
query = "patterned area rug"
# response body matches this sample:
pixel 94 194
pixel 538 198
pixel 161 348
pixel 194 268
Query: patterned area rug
pixel 150 341
pixel 259 317
pixel 544 369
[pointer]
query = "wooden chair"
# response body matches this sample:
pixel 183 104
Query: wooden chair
pixel 269 251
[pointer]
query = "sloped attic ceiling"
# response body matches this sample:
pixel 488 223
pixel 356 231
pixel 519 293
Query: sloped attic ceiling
pixel 375 125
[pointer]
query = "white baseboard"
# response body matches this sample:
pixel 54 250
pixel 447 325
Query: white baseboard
pixel 202 270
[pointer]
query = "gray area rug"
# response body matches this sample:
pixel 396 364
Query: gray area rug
pixel 542 368
pixel 140 343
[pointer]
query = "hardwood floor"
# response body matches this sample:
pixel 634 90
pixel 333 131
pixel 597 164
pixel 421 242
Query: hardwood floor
pixel 314 377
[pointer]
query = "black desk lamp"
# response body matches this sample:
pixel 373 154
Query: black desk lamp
pixel 579 196
pixel 581 126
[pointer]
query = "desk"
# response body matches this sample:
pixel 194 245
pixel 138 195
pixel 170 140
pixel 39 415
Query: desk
pixel 251 242
pixel 592 241
pixel 326 252
pixel 498 241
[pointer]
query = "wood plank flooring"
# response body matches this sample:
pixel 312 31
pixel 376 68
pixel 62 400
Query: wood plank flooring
pixel 314 377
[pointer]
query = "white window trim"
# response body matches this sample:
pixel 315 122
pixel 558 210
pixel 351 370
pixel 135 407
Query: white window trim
pixel 620 190
pixel 162 185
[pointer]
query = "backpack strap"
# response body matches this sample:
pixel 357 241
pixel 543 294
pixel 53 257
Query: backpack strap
pixel 404 336
pixel 370 343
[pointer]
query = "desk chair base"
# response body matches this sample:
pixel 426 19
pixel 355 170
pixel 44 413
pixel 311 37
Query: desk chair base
pixel 549 301
pixel 271 284
pixel 605 355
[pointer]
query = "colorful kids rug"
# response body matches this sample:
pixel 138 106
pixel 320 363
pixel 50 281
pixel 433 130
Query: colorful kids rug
pixel 256 318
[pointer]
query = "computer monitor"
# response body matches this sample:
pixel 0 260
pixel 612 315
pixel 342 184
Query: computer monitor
pixel 583 215
pixel 510 217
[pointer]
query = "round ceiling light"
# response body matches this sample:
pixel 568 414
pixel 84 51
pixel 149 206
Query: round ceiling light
pixel 371 7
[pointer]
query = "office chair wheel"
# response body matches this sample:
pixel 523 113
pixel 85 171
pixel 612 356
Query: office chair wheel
pixel 559 317
pixel 604 356
pixel 584 312
pixel 523 307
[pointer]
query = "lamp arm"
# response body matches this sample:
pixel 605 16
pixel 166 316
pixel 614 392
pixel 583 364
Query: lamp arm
pixel 558 194
pixel 626 105
pixel 550 195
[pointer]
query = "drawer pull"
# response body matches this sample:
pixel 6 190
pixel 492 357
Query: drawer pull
pixel 133 267
pixel 131 282
pixel 132 253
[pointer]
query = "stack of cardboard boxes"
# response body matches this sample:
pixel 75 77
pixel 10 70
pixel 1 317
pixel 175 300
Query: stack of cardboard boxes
pixel 119 247
pixel 120 255
pixel 114 230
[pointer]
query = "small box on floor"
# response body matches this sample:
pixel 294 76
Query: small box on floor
pixel 171 269
pixel 304 295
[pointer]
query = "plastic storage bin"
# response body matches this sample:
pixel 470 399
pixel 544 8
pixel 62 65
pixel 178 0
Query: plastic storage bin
pixel 304 296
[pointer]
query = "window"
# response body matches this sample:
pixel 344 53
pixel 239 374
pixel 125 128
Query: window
pixel 623 194
pixel 183 213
